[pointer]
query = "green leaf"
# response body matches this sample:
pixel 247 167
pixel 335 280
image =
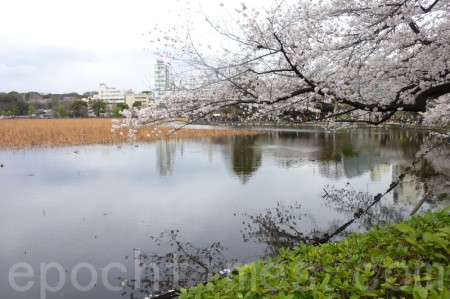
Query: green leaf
pixel 410 240
pixel 405 228
pixel 360 282
pixel 433 238
pixel 446 210
pixel 445 229
pixel 326 279
pixel 420 293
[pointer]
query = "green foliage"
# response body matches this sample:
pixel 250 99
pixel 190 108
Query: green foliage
pixel 31 110
pixel 21 108
pixel 137 104
pixel 98 107
pixel 61 110
pixel 79 108
pixel 407 260
pixel 12 104
pixel 119 108
pixel 122 106
pixel 116 111
pixel 11 97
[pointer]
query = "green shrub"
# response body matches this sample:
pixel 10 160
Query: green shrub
pixel 406 260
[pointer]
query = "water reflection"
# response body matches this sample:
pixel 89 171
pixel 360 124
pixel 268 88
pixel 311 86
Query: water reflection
pixel 245 157
pixel 350 202
pixel 346 154
pixel 248 194
pixel 411 189
pixel 433 174
pixel 166 271
pixel 165 151
pixel 338 155
pixel 280 226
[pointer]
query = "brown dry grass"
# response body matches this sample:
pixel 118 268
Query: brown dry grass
pixel 22 133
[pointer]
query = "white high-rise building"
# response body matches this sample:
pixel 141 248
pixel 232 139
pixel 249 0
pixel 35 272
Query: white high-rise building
pixel 163 80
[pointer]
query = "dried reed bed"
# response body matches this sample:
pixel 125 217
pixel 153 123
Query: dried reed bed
pixel 23 133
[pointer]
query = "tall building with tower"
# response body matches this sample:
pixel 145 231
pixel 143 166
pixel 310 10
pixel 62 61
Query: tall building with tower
pixel 163 80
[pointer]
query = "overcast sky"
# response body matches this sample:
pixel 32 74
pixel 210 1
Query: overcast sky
pixel 61 46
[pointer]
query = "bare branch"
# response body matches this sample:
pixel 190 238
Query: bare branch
pixel 427 10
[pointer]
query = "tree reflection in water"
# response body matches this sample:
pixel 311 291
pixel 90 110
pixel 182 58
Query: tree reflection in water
pixel 281 227
pixel 183 266
pixel 350 202
pixel 245 157
pixel 278 227
pixel 286 225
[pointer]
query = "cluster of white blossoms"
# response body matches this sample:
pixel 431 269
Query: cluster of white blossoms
pixel 379 56
pixel 439 114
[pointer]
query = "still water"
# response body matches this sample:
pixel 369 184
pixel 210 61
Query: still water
pixel 126 221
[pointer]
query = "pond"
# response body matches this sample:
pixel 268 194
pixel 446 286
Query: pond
pixel 127 221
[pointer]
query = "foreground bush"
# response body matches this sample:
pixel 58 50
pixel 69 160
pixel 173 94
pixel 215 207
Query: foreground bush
pixel 407 260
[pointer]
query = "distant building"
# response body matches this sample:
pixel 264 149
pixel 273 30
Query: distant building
pixel 144 98
pixel 45 113
pixel 163 80
pixel 112 96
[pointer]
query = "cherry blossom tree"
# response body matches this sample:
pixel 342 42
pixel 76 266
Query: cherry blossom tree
pixel 355 56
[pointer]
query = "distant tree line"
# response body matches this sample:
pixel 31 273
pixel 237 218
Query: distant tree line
pixel 12 103
pixel 34 104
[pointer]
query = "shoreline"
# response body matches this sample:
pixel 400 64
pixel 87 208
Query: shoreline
pixel 38 133
pixel 321 124
pixel 56 132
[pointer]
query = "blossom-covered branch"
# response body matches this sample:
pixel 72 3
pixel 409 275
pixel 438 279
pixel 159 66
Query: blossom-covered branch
pixel 376 56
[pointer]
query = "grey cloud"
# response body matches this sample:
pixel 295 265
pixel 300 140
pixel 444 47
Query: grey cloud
pixel 19 54
pixel 58 69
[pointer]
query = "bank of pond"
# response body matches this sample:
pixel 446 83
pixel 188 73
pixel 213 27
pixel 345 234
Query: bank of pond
pixel 405 260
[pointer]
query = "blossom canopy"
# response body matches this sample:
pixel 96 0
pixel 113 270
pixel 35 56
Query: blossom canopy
pixel 378 56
